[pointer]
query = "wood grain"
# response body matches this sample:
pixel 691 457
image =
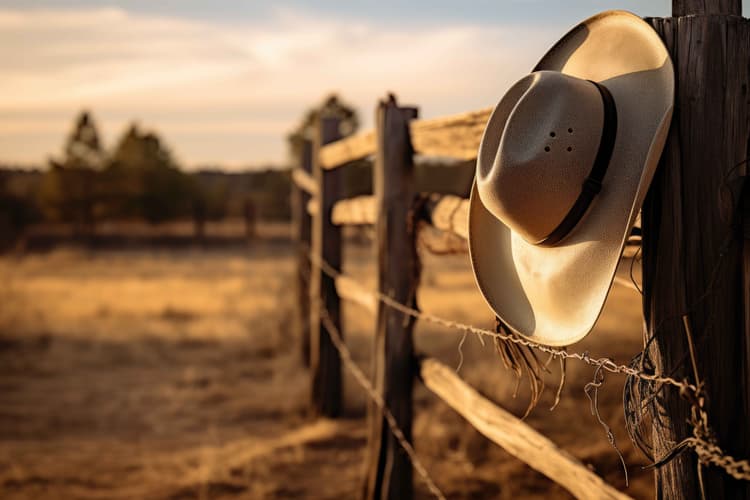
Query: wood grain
pixel 513 435
pixel 697 7
pixel 389 470
pixel 454 136
pixel 686 267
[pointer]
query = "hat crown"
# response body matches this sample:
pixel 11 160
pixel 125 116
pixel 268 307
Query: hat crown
pixel 538 148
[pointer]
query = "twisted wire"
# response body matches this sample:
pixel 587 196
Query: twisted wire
pixel 376 398
pixel 605 363
pixel 702 442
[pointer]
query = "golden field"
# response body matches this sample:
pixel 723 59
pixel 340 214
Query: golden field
pixel 172 374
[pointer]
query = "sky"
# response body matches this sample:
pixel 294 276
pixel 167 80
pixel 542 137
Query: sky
pixel 224 81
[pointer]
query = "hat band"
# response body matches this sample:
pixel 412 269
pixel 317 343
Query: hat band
pixel 593 183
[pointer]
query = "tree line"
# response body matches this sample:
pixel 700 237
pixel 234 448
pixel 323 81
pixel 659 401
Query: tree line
pixel 136 180
pixel 139 179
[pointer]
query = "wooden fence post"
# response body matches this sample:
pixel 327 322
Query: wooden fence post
pixel 325 361
pixel 389 473
pixel 745 204
pixel 301 234
pixel 688 269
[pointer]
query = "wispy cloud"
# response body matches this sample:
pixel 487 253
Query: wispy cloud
pixel 227 92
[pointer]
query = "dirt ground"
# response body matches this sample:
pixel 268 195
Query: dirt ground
pixel 175 375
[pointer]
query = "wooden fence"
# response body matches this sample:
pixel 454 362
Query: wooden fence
pixel 401 218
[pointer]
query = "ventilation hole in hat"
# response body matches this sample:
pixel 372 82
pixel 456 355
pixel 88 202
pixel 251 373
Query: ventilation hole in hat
pixel 570 130
pixel 570 149
pixel 552 134
pixel 546 148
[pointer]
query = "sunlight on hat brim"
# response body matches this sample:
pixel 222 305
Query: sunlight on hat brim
pixel 554 295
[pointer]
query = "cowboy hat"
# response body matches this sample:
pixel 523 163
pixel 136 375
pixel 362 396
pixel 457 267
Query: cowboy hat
pixel 564 164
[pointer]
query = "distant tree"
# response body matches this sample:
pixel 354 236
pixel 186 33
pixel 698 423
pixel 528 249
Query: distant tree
pixel 144 181
pixel 139 150
pixel 83 148
pixel 331 106
pixel 68 190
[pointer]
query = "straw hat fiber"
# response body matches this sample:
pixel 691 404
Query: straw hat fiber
pixel 564 164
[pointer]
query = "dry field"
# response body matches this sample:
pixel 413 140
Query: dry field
pixel 174 374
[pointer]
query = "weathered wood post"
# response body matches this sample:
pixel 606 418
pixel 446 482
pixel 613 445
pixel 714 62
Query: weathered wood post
pixel 301 235
pixel 389 473
pixel 325 361
pixel 745 203
pixel 689 269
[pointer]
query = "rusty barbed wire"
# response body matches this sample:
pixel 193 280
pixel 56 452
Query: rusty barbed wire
pixel 606 363
pixel 702 442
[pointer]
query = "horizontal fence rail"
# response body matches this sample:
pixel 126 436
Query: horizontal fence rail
pixel 304 181
pixel 361 210
pixel 455 137
pixel 445 212
pixel 450 214
pixel 355 147
pixel 513 435
pixel 439 242
pixel 349 289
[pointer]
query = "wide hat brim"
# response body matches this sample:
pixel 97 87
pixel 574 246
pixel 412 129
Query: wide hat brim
pixel 554 295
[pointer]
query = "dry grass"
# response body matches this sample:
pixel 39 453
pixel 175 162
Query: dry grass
pixel 174 375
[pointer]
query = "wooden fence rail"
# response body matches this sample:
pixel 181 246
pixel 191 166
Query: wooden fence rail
pixel 302 178
pixel 516 437
pixel 455 137
pixel 447 213
pixel 361 210
pixel 349 289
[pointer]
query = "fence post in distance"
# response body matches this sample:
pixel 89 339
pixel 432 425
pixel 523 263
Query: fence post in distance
pixel 325 361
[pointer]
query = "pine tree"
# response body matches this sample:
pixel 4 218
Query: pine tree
pixel 69 192
pixel 147 178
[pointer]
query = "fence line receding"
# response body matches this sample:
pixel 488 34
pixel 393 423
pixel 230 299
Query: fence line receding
pixel 402 219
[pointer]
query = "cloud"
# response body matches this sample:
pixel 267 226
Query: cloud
pixel 228 92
